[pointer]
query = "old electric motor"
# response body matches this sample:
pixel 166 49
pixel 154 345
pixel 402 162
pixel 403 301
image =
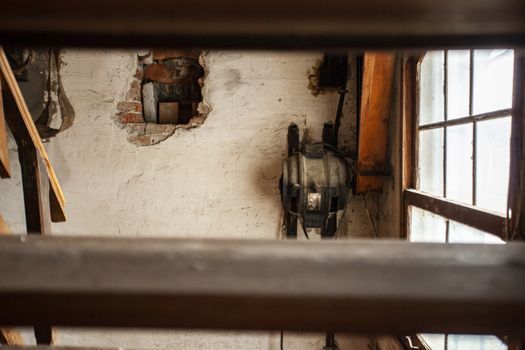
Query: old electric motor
pixel 314 185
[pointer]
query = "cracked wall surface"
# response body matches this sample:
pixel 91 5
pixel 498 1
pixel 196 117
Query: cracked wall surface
pixel 218 180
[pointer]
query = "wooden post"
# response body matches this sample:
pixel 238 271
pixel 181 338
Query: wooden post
pixel 517 163
pixel 376 101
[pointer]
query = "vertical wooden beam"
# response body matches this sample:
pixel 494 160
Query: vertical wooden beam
pixel 408 110
pixel 5 170
pixel 517 154
pixel 372 163
pixel 35 184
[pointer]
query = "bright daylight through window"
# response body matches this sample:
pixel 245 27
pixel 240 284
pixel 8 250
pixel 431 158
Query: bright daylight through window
pixel 464 101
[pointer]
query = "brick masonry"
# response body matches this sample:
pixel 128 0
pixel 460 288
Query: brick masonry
pixel 130 115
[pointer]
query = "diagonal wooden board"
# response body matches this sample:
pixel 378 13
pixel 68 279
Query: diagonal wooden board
pixel 57 198
pixel 5 170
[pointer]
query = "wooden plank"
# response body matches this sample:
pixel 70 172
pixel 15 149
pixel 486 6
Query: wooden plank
pixel 376 101
pixel 13 91
pixel 470 215
pixel 385 287
pixel 5 169
pixel 264 23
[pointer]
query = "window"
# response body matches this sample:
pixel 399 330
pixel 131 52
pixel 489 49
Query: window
pixel 463 129
pixel 459 186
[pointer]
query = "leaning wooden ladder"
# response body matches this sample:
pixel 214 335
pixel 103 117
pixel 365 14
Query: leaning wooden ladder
pixel 43 198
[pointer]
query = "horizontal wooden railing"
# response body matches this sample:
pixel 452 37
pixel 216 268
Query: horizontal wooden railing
pixel 381 287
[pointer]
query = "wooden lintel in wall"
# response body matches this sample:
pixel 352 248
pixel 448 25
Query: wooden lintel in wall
pixel 5 170
pixel 376 102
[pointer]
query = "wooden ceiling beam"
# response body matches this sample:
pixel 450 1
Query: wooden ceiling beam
pixel 299 24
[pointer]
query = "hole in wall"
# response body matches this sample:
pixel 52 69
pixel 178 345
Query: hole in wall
pixel 164 95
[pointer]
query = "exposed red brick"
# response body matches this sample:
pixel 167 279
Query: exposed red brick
pixel 129 106
pixel 127 118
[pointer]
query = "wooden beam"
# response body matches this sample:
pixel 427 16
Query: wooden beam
pixel 407 134
pixel 517 152
pixel 376 101
pixel 264 23
pixel 5 169
pixel 385 287
pixel 470 215
pixel 26 135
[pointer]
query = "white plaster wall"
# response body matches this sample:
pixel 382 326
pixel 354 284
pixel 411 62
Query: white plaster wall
pixel 219 180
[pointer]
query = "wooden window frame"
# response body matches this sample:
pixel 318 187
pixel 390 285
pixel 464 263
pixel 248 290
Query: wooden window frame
pixel 502 226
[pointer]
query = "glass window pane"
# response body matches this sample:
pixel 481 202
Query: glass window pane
pixel 493 163
pixel 426 227
pixel 431 85
pixel 459 233
pixel 459 163
pixel 458 83
pixel 493 72
pixel 434 341
pixel 474 342
pixel 430 161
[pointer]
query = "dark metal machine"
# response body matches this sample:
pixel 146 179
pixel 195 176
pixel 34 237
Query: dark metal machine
pixel 315 183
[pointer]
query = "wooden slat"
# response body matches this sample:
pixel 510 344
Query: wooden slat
pixel 387 287
pixel 376 100
pixel 476 217
pixel 264 23
pixel 13 88
pixel 5 169
pixel 25 133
